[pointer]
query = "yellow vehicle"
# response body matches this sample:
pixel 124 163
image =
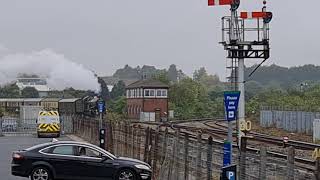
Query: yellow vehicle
pixel 48 123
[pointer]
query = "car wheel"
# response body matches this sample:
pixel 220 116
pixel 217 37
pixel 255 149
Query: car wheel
pixel 41 173
pixel 126 174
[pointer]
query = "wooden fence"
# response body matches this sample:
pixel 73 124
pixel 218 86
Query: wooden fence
pixel 180 155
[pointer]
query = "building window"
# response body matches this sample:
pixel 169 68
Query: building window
pixel 164 93
pixel 159 93
pixel 146 92
pixel 128 94
pixel 149 93
pixel 152 92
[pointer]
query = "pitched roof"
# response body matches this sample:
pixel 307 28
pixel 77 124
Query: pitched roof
pixel 69 100
pixel 51 100
pixel 32 99
pixel 148 83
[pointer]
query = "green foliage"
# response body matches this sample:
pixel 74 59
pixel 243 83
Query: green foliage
pixel 118 90
pixel 162 76
pixel 69 93
pixel 104 93
pixel 117 105
pixel 210 81
pixel 29 92
pixel 172 73
pixel 10 91
pixel 190 99
pixel 283 77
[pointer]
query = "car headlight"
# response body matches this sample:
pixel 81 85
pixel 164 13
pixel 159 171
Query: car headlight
pixel 141 166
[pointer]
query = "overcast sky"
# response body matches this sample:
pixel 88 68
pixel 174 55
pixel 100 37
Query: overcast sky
pixel 107 34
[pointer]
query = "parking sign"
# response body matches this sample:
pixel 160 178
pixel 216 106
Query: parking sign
pixel 231 101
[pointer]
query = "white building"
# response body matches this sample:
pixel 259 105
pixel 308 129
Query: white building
pixel 40 84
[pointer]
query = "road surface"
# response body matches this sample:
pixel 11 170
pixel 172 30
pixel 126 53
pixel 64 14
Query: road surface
pixel 12 143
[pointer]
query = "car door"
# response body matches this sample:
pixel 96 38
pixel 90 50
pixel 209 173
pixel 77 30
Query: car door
pixel 64 161
pixel 94 167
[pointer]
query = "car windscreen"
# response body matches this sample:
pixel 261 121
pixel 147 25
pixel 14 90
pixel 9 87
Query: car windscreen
pixel 48 119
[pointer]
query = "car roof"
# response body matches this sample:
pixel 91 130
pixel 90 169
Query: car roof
pixel 58 143
pixel 72 142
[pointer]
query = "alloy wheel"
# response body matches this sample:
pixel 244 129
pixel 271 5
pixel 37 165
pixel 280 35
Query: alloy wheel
pixel 126 175
pixel 40 174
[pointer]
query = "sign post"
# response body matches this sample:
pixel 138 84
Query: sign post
pixel 101 107
pixel 231 101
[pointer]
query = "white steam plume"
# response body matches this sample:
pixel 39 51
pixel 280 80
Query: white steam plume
pixel 60 72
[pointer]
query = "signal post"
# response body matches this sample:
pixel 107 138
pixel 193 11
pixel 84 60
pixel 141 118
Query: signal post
pixel 238 45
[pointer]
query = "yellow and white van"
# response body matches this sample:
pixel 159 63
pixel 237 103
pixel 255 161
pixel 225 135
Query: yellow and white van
pixel 48 123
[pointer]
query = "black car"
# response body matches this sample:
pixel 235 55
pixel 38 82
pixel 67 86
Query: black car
pixel 75 160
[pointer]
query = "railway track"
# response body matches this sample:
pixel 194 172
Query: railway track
pixel 272 139
pixel 220 131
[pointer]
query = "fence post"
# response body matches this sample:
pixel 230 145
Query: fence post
pixel 290 163
pixel 209 158
pixel 164 147
pixel 111 137
pixel 317 169
pixel 126 139
pixel 134 134
pixel 139 141
pixel 186 155
pixel 129 141
pixel 263 163
pixel 1 134
pixel 146 145
pixel 199 159
pixel 171 175
pixel 176 155
pixel 243 155
pixel 155 154
pixel 150 146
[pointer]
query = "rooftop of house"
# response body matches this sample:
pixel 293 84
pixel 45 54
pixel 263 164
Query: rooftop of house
pixel 148 83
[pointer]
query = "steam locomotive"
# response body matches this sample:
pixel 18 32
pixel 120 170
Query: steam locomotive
pixel 87 106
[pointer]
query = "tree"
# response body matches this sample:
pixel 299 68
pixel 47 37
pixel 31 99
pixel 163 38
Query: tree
pixel 10 91
pixel 104 92
pixel 199 74
pixel 118 105
pixel 210 81
pixel 172 73
pixel 118 90
pixel 29 92
pixel 189 99
pixel 162 76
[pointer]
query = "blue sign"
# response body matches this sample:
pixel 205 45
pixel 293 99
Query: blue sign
pixel 101 106
pixel 226 153
pixel 231 175
pixel 231 101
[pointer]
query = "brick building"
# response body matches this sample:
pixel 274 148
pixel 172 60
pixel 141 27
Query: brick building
pixel 147 100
